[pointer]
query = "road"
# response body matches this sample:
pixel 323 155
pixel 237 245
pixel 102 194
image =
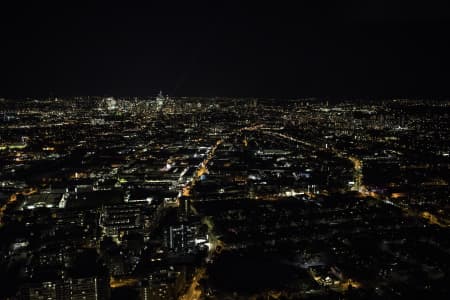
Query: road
pixel 193 292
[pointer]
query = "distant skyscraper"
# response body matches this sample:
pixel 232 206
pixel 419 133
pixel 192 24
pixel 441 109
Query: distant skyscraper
pixel 160 100
pixel 89 288
pixel 111 103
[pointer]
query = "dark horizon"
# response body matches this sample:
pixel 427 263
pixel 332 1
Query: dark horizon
pixel 375 49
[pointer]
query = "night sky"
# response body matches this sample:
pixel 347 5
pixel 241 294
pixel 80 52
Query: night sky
pixel 202 49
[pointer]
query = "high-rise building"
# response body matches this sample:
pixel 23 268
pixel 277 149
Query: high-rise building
pixel 88 288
